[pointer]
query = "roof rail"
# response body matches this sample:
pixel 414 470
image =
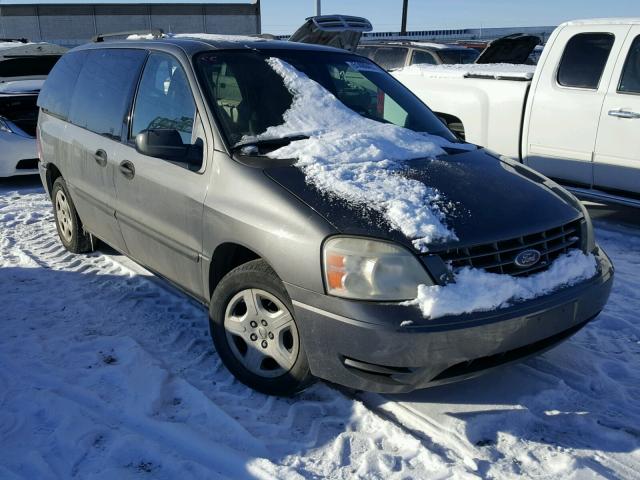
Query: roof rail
pixel 154 32
pixel 17 40
pixel 329 23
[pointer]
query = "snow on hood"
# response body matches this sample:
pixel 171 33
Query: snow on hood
pixel 476 290
pixel 492 70
pixel 354 158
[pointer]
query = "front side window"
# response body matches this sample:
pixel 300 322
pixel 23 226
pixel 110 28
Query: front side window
pixel 422 57
pixel 630 80
pixel 164 100
pixel 248 96
pixel 103 90
pixel 390 57
pixel 584 59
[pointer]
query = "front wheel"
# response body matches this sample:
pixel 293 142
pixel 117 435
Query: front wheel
pixel 255 332
pixel 68 224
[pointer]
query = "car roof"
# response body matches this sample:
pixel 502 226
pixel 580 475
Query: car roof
pixel 195 43
pixel 604 21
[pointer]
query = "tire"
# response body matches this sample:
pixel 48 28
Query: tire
pixel 68 224
pixel 261 346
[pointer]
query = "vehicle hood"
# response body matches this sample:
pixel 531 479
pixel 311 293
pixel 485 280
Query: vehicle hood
pixel 514 49
pixel 339 31
pixel 21 87
pixel 488 200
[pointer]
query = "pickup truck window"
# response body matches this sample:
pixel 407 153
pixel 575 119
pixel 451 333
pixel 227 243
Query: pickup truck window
pixel 390 57
pixel 630 80
pixel 584 59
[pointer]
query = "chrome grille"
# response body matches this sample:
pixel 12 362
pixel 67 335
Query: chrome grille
pixel 499 257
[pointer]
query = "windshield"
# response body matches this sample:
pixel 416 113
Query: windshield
pixel 248 96
pixel 458 56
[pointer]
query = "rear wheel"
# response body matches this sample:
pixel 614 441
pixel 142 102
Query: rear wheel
pixel 68 224
pixel 255 332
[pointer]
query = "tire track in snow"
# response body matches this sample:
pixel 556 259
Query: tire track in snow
pixel 319 434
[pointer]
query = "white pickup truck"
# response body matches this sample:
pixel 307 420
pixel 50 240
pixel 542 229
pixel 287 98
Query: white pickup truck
pixel 575 117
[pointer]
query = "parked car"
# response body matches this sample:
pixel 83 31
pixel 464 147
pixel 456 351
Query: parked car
pixel 576 119
pixel 151 146
pixel 23 68
pixel 391 55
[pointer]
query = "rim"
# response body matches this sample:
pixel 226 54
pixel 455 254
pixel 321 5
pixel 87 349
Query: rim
pixel 261 333
pixel 63 215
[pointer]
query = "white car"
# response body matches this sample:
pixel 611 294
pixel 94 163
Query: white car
pixel 23 68
pixel 575 118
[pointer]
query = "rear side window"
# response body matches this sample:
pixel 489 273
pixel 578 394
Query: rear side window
pixel 28 66
pixel 630 80
pixel 390 57
pixel 56 93
pixel 422 57
pixel 104 88
pixel 584 59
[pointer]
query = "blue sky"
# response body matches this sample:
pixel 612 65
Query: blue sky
pixel 284 16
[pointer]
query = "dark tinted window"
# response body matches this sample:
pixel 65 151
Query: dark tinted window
pixel 366 51
pixel 104 88
pixel 390 57
pixel 630 81
pixel 421 57
pixel 458 56
pixel 164 99
pixel 584 59
pixel 55 96
pixel 28 66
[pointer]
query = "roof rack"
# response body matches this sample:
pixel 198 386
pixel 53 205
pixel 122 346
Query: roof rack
pixel 17 40
pixel 154 32
pixel 329 23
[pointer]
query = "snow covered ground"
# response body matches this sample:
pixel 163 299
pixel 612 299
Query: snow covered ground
pixel 108 373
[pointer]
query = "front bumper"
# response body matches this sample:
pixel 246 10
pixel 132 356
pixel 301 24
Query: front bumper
pixel 17 154
pixel 387 347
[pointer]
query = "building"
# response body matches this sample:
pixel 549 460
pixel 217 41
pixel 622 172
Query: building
pixel 451 35
pixel 71 24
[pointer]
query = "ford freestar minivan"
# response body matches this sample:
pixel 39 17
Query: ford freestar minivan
pixel 153 147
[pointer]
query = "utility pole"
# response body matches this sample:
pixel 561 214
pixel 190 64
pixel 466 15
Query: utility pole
pixel 318 7
pixel 405 7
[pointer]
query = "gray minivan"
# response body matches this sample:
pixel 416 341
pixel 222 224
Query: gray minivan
pixel 143 145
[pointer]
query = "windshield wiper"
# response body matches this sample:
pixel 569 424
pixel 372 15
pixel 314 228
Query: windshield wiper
pixel 269 142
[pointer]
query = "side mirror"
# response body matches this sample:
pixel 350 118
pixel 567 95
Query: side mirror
pixel 167 145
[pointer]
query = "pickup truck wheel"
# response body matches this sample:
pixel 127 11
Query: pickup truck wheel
pixel 255 332
pixel 68 224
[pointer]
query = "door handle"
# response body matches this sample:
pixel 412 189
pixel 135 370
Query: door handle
pixel 127 169
pixel 100 157
pixel 623 114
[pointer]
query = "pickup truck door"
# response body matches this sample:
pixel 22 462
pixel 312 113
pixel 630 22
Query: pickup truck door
pixel 567 99
pixel 160 203
pixel 617 156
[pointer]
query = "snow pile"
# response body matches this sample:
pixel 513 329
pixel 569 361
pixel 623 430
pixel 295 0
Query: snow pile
pixel 493 70
pixel 477 290
pixel 357 159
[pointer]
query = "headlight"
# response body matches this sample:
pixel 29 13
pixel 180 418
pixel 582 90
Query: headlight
pixel 371 270
pixel 4 125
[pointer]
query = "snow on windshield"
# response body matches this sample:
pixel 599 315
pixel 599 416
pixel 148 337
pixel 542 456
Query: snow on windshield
pixel 357 159
pixel 476 290
pixel 493 70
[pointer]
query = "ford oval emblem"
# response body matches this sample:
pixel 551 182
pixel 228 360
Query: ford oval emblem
pixel 527 258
